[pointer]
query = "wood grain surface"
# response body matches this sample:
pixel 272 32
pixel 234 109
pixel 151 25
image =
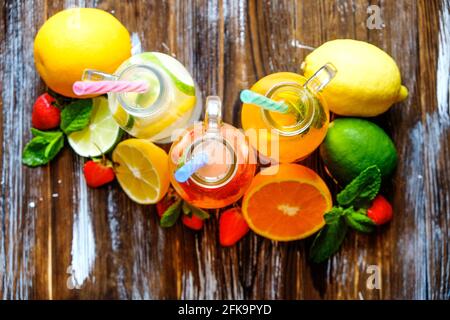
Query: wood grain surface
pixel 60 240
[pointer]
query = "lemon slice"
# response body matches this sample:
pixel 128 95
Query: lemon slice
pixel 142 170
pixel 125 120
pixel 169 119
pixel 100 136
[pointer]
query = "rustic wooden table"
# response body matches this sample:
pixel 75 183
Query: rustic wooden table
pixel 60 240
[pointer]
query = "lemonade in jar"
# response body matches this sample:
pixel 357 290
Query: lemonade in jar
pixel 171 101
pixel 295 132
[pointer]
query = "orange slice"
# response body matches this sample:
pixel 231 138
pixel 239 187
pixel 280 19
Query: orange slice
pixel 287 203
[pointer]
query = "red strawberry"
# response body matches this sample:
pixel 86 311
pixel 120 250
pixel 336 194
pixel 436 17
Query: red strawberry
pixel 98 172
pixel 232 227
pixel 45 114
pixel 166 202
pixel 193 222
pixel 381 210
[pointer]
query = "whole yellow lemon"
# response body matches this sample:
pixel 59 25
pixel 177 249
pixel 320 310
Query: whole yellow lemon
pixel 77 39
pixel 367 81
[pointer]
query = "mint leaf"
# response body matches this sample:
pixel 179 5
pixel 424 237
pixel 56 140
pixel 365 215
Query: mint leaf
pixel 187 209
pixel 42 148
pixel 328 240
pixel 200 213
pixel 130 123
pixel 359 221
pixel 49 136
pixel 300 107
pixel 190 210
pixel 320 117
pixel 171 215
pixel 33 154
pixel 76 116
pixel 362 190
pixel 54 147
pixel 334 214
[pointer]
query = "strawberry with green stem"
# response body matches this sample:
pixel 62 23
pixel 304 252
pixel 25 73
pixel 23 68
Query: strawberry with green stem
pixel 98 172
pixel 380 212
pixel 171 207
pixel 46 114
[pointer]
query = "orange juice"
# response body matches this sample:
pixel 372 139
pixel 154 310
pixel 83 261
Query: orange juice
pixel 291 136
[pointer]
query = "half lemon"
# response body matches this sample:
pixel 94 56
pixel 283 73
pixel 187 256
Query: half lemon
pixel 142 170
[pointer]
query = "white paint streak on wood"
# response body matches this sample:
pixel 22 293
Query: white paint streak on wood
pixel 413 243
pixel 207 288
pixel 113 222
pixel 443 68
pixel 114 230
pixel 17 220
pixel 439 233
pixel 423 178
pixel 277 272
pixel 141 269
pixel 83 240
pixel 297 44
pixel 136 44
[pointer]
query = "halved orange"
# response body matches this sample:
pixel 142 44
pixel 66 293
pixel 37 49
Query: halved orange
pixel 287 203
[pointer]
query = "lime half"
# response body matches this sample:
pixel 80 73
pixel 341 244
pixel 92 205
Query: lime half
pixel 100 136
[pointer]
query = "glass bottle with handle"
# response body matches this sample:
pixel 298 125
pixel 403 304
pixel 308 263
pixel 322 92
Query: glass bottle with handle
pixel 170 102
pixel 212 163
pixel 285 116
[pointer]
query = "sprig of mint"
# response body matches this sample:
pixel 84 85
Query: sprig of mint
pixel 362 190
pixel 46 145
pixel 359 220
pixel 42 148
pixel 171 215
pixel 319 116
pixel 329 238
pixel 351 212
pixel 76 116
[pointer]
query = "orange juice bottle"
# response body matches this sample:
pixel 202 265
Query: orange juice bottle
pixel 212 163
pixel 291 136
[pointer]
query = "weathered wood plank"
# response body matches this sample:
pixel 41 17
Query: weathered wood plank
pixel 25 192
pixel 115 247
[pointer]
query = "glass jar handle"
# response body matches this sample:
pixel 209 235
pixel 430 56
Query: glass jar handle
pixel 321 78
pixel 213 114
pixel 95 75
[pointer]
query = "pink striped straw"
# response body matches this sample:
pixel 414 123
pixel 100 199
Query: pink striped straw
pixel 91 87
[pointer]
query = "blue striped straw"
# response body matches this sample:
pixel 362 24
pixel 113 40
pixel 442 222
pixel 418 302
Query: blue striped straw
pixel 191 166
pixel 248 96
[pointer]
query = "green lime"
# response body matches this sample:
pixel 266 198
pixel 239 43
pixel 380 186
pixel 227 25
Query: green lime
pixel 100 136
pixel 352 145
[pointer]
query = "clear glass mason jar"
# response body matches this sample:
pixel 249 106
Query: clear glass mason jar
pixel 172 101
